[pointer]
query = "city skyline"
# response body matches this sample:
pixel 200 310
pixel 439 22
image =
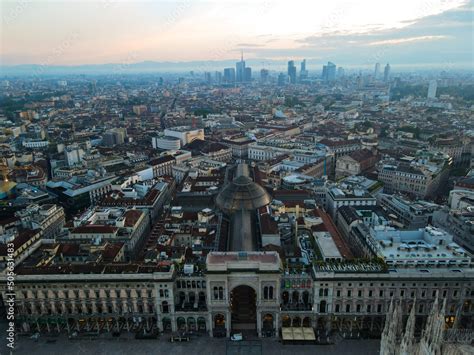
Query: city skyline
pixel 85 33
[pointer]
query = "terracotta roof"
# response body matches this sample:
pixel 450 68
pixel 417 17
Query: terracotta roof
pixel 361 155
pixel 132 217
pixel 22 238
pixel 268 225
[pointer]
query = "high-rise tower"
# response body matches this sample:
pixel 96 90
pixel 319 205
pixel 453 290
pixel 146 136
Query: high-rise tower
pixel 240 69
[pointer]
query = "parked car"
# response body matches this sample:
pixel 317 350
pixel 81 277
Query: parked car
pixel 237 337
pixel 178 338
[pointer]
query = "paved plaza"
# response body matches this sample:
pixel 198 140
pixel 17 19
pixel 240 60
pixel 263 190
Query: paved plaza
pixel 200 345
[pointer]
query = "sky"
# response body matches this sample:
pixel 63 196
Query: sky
pixel 355 32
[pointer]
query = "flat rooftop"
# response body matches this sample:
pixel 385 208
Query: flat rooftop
pixel 223 261
pixel 327 246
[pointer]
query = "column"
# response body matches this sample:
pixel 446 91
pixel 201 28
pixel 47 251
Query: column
pixel 277 324
pixel 228 323
pixel 259 324
pixel 159 323
pixel 211 324
pixel 174 326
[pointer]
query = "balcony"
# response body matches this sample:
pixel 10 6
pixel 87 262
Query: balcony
pixel 296 307
pixel 191 307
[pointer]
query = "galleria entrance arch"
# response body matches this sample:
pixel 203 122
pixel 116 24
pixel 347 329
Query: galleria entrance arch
pixel 243 303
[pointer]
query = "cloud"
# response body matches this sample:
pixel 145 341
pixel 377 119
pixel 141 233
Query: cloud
pixel 406 40
pixel 445 37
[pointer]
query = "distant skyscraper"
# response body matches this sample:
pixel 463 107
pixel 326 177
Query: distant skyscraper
pixel 218 77
pixel 340 72
pixel 207 77
pixel 386 73
pixel 292 71
pixel 229 75
pixel 303 71
pixel 377 71
pixel 240 69
pixel 282 79
pixel 248 74
pixel 264 75
pixel 329 72
pixel 432 89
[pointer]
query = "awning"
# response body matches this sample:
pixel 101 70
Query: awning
pixel 298 333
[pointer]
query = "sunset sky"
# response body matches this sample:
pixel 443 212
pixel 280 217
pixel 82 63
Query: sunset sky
pixel 110 31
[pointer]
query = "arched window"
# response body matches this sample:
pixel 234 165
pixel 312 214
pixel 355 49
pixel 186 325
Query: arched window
pixel 305 298
pixel 348 308
pixel 322 307
pixel 270 292
pixel 338 308
pixel 326 292
pixel 265 292
pixel 321 292
pixel 166 293
pixel 221 293
pixel 285 321
pixel 216 293
pixel 161 293
pixel 202 297
pixel 182 297
pixel 296 297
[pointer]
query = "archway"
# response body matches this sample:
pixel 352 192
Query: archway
pixel 201 323
pixel 166 324
pixel 244 308
pixel 219 321
pixel 286 321
pixel 306 322
pixel 268 327
pixel 191 324
pixel 181 322
pixel 267 322
pixel 219 325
